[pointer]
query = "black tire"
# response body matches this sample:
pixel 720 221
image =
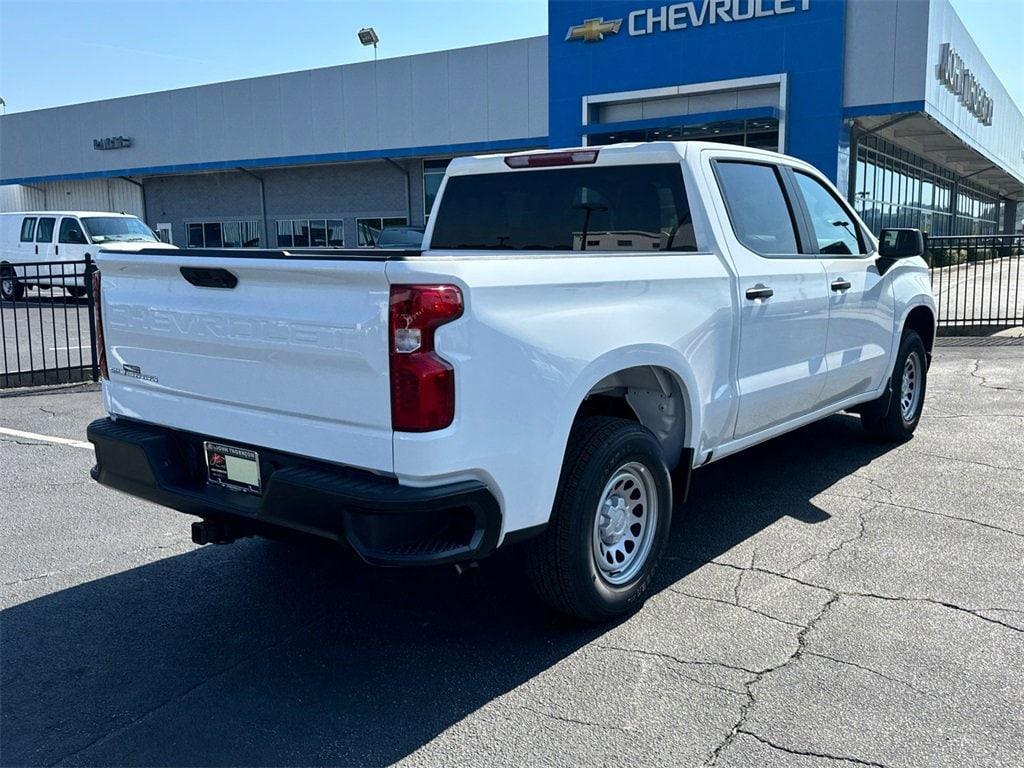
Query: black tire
pixel 11 288
pixel 76 292
pixel 561 562
pixel 885 418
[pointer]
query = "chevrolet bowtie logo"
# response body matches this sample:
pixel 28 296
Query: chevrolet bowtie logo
pixel 593 30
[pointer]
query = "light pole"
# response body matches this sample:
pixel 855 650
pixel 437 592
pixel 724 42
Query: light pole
pixel 368 36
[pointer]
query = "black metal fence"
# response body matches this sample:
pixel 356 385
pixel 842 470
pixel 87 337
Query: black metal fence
pixel 47 323
pixel 976 280
pixel 48 330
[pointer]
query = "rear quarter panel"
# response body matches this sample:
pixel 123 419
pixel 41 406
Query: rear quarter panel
pixel 537 333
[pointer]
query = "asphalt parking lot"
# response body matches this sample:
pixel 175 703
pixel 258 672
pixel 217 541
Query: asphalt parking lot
pixel 825 599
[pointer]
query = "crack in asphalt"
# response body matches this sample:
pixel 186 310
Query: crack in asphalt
pixel 983 380
pixel 677 660
pixel 891 495
pixel 21 442
pixel 680 662
pixel 574 721
pixel 751 699
pixel 862 528
pixel 922 510
pixel 966 461
pixel 976 416
pixel 735 605
pixel 808 753
pixel 875 672
pixel 27 579
pixel 874 595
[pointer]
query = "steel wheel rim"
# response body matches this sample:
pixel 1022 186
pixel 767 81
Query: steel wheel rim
pixel 910 387
pixel 7 286
pixel 624 523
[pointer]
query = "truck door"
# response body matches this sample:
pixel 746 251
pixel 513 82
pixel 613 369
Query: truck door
pixel 783 297
pixel 861 311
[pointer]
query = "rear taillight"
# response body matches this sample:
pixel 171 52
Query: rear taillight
pixel 97 313
pixel 422 382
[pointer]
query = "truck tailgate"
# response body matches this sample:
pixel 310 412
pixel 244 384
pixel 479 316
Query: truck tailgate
pixel 293 357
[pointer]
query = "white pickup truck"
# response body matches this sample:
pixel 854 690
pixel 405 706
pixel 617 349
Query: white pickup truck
pixel 581 329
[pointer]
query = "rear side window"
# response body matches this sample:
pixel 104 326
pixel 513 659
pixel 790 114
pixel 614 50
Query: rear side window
pixel 758 209
pixel 614 208
pixel 834 228
pixel 44 232
pixel 28 230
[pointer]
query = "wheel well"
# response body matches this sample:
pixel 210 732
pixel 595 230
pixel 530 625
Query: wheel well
pixel 922 320
pixel 650 395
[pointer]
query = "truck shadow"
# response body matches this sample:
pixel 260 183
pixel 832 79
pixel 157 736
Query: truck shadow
pixel 263 653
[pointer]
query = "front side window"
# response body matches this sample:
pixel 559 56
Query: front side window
pixel 44 230
pixel 757 207
pixel 28 229
pixel 368 230
pixel 119 229
pixel 834 228
pixel 70 232
pixel 610 208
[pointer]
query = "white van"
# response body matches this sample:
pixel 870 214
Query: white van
pixel 31 237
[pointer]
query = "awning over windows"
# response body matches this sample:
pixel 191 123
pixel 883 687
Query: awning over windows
pixel 924 136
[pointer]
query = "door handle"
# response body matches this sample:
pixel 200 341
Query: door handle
pixel 56 250
pixel 37 250
pixel 840 284
pixel 760 291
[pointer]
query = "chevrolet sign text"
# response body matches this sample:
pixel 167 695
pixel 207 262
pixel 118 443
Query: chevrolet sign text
pixel 669 18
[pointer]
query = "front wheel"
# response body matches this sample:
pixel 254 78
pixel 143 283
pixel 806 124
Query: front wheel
pixel 895 415
pixel 609 523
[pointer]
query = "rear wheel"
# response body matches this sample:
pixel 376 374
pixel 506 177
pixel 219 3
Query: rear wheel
pixel 609 523
pixel 10 288
pixel 895 415
pixel 76 292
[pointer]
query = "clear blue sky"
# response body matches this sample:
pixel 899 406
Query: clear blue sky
pixel 54 53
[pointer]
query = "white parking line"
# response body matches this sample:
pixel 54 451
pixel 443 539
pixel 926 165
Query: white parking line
pixel 46 438
pixel 64 349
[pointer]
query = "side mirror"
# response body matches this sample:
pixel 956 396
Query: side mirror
pixel 901 243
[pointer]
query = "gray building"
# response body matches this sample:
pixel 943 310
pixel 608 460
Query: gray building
pixel 892 99
pixel 286 157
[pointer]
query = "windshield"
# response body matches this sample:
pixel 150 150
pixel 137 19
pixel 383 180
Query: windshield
pixel 128 229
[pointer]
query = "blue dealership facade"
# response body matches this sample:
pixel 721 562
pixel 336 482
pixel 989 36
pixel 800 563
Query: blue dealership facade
pixel 892 99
